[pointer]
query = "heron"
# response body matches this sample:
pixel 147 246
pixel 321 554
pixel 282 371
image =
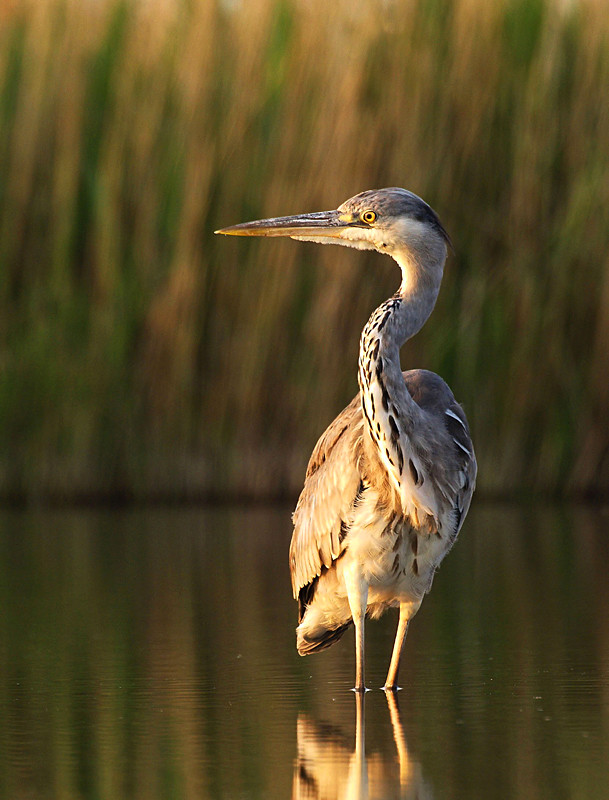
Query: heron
pixel 390 481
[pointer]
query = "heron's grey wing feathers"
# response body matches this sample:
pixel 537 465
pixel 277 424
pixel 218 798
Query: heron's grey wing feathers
pixel 452 467
pixel 331 487
pixel 464 465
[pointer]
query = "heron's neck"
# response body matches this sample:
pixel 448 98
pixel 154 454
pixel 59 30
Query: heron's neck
pixel 401 316
pixel 388 408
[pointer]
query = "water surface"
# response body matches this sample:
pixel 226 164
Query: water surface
pixel 150 653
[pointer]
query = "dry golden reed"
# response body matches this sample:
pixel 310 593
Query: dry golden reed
pixel 143 357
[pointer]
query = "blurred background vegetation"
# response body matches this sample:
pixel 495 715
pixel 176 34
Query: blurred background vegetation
pixel 141 357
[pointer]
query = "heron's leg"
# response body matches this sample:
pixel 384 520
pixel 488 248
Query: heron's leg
pixel 357 594
pixel 407 612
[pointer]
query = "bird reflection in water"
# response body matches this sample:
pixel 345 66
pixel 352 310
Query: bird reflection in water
pixel 328 768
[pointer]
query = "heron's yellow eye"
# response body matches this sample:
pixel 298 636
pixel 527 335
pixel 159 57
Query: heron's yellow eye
pixel 368 217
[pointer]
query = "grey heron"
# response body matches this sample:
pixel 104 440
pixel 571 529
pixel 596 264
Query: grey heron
pixel 391 479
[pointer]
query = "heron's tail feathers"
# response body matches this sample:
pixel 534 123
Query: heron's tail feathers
pixel 312 636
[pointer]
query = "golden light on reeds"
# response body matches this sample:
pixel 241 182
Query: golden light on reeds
pixel 141 356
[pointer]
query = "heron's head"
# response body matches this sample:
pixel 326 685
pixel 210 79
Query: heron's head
pixel 393 221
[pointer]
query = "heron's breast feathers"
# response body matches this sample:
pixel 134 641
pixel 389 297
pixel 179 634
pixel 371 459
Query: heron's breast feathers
pixel 422 474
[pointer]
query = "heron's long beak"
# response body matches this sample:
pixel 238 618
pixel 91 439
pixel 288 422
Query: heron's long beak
pixel 321 224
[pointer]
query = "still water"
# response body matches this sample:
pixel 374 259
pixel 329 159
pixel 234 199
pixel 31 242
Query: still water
pixel 150 653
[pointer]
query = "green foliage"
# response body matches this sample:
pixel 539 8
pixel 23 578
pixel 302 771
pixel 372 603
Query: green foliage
pixel 142 356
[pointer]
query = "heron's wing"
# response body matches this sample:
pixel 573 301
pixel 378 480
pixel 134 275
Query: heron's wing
pixel 449 460
pixel 331 486
pixel 460 475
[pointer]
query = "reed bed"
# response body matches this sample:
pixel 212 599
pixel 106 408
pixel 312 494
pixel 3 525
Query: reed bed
pixel 142 357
